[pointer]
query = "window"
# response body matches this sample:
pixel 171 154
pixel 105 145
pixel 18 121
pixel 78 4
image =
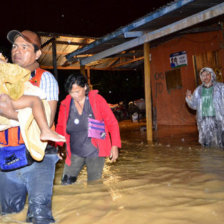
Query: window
pixel 173 79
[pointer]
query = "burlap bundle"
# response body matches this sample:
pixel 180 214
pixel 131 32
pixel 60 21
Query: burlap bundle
pixel 14 82
pixel 12 79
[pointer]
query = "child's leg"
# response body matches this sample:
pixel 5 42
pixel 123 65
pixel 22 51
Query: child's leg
pixel 39 114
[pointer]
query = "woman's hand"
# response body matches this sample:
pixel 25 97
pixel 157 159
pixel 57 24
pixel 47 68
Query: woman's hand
pixel 114 153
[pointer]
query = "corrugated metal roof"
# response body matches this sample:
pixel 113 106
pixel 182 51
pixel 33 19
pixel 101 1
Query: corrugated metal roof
pixel 64 45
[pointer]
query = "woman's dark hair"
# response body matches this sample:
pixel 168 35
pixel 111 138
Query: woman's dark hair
pixel 77 79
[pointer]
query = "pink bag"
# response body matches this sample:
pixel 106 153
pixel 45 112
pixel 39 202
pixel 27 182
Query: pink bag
pixel 96 129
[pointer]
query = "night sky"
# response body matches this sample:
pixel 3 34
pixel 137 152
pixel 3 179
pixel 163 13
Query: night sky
pixel 94 18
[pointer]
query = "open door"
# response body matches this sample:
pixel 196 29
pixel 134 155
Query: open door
pixel 207 59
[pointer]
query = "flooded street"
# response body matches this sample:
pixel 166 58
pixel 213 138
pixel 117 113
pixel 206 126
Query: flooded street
pixel 173 181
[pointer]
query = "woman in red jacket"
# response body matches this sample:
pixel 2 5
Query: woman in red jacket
pixel 90 128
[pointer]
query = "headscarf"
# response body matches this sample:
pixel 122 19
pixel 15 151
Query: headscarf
pixel 208 70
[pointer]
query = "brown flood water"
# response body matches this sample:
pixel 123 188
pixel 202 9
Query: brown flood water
pixel 173 181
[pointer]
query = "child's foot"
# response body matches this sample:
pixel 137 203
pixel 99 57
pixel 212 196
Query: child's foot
pixel 51 136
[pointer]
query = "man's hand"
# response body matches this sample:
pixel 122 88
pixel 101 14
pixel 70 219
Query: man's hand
pixel 6 107
pixel 61 152
pixel 114 153
pixel 188 94
pixel 3 59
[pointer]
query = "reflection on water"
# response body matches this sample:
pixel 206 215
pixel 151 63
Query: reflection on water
pixel 164 183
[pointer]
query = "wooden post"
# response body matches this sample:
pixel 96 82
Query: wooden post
pixel 148 101
pixel 88 78
pixel 54 56
pixel 82 70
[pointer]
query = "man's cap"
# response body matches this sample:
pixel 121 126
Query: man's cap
pixel 27 35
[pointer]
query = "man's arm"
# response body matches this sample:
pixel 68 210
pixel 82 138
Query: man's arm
pixel 53 106
pixel 50 87
pixel 6 107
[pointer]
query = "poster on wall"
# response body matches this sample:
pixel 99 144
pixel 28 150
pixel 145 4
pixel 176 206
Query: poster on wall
pixel 178 59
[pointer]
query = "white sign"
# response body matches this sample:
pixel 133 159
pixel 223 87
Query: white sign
pixel 178 59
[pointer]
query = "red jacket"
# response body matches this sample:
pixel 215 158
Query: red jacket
pixel 101 111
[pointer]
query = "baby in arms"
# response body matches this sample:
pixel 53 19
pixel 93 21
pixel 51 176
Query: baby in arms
pixel 16 89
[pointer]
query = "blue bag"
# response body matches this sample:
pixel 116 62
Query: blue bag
pixel 14 157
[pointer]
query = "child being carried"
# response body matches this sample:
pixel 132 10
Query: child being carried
pixel 33 110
